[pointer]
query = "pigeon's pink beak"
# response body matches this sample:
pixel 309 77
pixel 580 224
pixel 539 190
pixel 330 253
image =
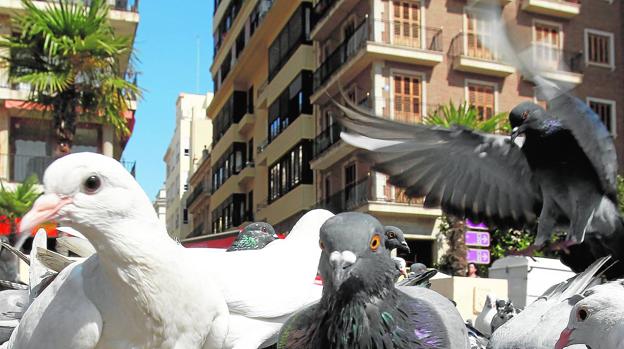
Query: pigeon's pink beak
pixel 44 209
pixel 564 339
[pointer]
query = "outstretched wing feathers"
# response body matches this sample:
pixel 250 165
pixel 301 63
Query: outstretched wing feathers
pixel 591 135
pixel 479 176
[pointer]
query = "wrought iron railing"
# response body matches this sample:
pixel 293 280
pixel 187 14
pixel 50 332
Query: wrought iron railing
pixel 551 58
pixel 479 46
pixel 328 137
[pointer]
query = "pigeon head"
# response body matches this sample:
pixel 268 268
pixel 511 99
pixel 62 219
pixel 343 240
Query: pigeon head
pixel 260 229
pixel 89 192
pixel 353 256
pixel 395 239
pixel 595 320
pixel 525 116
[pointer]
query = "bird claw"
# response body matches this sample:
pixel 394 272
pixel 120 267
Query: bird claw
pixel 527 252
pixel 563 246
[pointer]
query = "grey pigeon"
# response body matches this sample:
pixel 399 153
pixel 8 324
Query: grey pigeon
pixel 254 237
pixel 360 306
pixel 420 279
pixel 396 239
pixel 504 312
pixel 13 304
pixel 564 172
pixel 539 325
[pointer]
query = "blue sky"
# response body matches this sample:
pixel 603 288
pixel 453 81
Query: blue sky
pixel 166 45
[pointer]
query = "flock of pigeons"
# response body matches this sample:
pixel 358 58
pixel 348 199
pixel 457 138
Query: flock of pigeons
pixel 132 286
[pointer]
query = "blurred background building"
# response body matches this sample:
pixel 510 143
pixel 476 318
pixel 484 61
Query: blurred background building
pixel 276 150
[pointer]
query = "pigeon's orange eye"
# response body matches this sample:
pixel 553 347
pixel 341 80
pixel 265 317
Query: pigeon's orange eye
pixel 582 314
pixel 321 245
pixel 375 242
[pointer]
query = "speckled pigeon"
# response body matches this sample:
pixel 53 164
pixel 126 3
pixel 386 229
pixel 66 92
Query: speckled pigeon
pixel 255 236
pixel 360 306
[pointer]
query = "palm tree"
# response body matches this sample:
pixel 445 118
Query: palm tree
pixel 14 204
pixel 454 261
pixel 71 57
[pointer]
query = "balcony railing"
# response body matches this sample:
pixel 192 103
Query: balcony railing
pixel 392 33
pixel 555 59
pixel 130 166
pixel 479 46
pixel 197 231
pixel 361 193
pixel 347 49
pixel 321 9
pixel 328 137
pixel 195 194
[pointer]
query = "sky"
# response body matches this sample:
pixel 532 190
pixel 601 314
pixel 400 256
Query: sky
pixel 166 50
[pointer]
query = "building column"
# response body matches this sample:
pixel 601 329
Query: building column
pixel 4 144
pixel 108 140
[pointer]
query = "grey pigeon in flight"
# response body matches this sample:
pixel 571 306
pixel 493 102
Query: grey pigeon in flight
pixel 396 239
pixel 254 237
pixel 360 306
pixel 564 173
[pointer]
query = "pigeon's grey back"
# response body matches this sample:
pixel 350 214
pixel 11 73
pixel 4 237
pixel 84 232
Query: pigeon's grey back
pixel 450 324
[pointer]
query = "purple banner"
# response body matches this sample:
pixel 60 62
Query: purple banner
pixel 477 238
pixel 471 225
pixel 478 256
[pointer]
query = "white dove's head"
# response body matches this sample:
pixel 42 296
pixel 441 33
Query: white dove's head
pixel 89 192
pixel 595 320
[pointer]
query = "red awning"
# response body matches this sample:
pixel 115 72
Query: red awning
pixel 224 242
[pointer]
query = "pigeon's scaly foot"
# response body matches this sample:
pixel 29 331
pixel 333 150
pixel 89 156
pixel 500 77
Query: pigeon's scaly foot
pixel 527 252
pixel 563 246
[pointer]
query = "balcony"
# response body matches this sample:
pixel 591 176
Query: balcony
pixel 556 8
pixel 473 54
pixel 361 196
pixel 327 15
pixel 329 148
pixel 500 3
pixel 197 231
pixel 247 174
pixel 17 167
pixel 422 46
pixel 559 65
pixel 199 190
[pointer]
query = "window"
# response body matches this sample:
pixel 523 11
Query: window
pixel 327 187
pixel 479 33
pixel 186 152
pixel 231 113
pixel 599 48
pixel 296 32
pixel 185 187
pixel 407 99
pixel 231 163
pixel 482 97
pixel 606 112
pixel 185 219
pixel 406 23
pixel 349 180
pixel 290 170
pixel 229 214
pixel 548 45
pixel 292 102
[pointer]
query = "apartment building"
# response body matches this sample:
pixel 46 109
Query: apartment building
pixel 276 148
pixel 192 134
pixel 401 59
pixel 27 140
pixel 160 205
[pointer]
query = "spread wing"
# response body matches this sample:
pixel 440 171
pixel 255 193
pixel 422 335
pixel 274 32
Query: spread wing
pixel 482 177
pixel 591 135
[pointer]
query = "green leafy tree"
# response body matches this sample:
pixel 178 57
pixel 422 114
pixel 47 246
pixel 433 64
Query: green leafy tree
pixel 452 228
pixel 71 57
pixel 13 205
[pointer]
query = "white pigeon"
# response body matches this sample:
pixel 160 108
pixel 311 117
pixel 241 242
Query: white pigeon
pixel 597 318
pixel 140 290
pixel 483 322
pixel 264 287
